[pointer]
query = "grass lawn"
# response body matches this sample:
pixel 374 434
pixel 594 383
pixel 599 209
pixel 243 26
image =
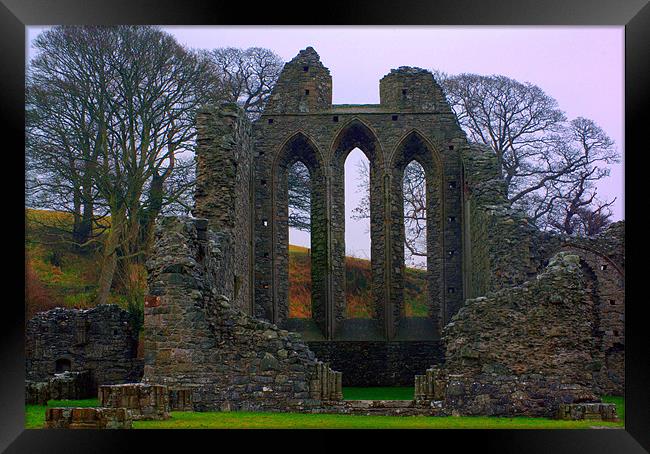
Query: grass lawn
pixel 35 414
pixel 378 393
pixel 35 417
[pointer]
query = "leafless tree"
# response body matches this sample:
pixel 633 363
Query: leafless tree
pixel 299 197
pixel 137 91
pixel 545 161
pixel 550 166
pixel 247 76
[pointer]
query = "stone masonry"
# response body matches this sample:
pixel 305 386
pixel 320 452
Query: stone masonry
pixel 522 350
pixel 521 321
pixel 242 190
pixel 97 345
pixel 195 338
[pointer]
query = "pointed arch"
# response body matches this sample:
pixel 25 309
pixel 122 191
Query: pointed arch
pixel 299 147
pixel 414 146
pixel 356 133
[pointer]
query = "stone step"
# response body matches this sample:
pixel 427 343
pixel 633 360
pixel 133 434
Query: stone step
pixel 380 403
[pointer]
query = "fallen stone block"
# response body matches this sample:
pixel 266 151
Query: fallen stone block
pixel 88 418
pixel 144 401
pixel 596 411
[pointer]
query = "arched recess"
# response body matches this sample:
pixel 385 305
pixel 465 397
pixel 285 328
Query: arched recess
pixel 300 148
pixel 356 134
pixel 62 365
pixel 414 147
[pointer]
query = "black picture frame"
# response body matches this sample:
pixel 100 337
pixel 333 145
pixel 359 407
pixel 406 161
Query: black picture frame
pixel 633 14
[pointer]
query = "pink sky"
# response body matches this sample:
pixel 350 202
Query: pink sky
pixel 581 67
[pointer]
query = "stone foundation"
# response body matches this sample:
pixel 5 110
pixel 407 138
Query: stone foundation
pixel 143 401
pixel 382 408
pixel 37 393
pixel 64 386
pixel 180 399
pixel 598 411
pixel 364 363
pixel 88 418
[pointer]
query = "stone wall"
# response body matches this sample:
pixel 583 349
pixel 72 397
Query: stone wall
pixel 501 247
pixel 368 363
pixel 604 263
pixel 195 338
pixel 98 340
pixel 524 349
pixel 417 125
pixel 223 193
pixel 88 418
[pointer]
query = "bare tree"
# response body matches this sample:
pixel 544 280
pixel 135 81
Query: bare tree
pixel 61 137
pixel 138 90
pixel 573 205
pixel 548 165
pixel 247 76
pixel 298 181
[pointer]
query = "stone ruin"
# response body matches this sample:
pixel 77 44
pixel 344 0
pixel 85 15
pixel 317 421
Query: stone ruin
pixel 521 322
pixel 71 352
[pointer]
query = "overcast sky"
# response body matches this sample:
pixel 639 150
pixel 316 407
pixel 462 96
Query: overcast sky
pixel 581 67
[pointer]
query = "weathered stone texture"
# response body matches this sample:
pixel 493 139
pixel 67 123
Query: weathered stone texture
pixel 501 247
pixel 98 340
pixel 604 263
pixel 144 401
pixel 37 393
pixel 598 411
pixel 378 363
pixel 195 338
pixel 521 350
pixel 88 418
pixel 223 193
pixel 304 85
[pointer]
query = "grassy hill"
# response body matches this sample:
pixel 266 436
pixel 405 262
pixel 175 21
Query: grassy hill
pixel 358 287
pixel 58 274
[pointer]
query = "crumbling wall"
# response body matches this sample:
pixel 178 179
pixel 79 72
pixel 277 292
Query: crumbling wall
pixel 604 262
pixel 501 247
pixel 99 340
pixel 522 350
pixel 195 338
pixel 223 192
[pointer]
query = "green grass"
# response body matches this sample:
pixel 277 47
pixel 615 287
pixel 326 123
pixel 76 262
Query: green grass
pixel 620 405
pixel 35 417
pixel 35 414
pixel 378 393
pixel 246 420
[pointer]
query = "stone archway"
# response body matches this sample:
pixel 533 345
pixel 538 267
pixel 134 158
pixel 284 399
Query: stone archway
pixel 299 148
pixel 413 147
pixel 356 134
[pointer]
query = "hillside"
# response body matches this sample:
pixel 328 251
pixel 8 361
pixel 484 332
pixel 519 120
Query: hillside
pixel 358 287
pixel 57 274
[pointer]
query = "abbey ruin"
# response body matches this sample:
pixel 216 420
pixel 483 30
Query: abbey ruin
pixel 520 321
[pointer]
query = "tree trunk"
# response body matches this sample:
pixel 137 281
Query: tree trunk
pixel 149 217
pixel 76 225
pixel 109 256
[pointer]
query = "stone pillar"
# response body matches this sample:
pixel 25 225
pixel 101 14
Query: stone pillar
pixel 88 418
pixel 143 400
pixel 223 192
